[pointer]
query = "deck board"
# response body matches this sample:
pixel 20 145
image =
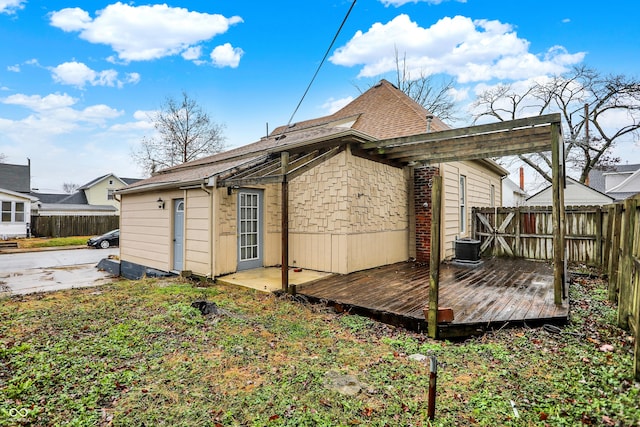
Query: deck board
pixel 497 292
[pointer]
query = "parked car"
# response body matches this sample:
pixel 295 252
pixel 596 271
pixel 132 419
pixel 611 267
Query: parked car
pixel 112 238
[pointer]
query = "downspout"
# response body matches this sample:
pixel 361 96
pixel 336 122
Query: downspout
pixel 284 163
pixel 203 186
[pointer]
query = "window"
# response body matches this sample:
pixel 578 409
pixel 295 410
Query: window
pixel 12 212
pixel 19 217
pixel 110 182
pixel 463 204
pixel 6 211
pixel 110 194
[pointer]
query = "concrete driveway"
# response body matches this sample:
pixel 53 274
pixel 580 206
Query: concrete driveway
pixel 51 270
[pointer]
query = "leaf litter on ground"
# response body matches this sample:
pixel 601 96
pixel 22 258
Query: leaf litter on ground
pixel 141 353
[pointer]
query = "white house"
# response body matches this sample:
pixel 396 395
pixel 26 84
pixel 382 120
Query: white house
pixel 512 194
pixel 575 194
pixel 619 181
pixel 15 214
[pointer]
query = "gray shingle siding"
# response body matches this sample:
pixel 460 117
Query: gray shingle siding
pixel 15 177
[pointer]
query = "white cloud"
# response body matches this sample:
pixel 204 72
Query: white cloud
pixel 332 105
pixel 139 33
pixel 398 3
pixel 226 56
pixel 13 68
pixel 192 53
pixel 40 104
pixel 54 132
pixel 10 7
pixel 78 74
pixel 55 110
pixel 470 50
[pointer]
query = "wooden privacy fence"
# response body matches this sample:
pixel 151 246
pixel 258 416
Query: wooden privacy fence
pixel 527 232
pixel 607 237
pixel 65 226
pixel 624 268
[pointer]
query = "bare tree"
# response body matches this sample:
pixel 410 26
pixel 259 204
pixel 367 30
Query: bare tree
pixel 3 157
pixel 185 132
pixel 435 97
pixel 70 187
pixel 586 100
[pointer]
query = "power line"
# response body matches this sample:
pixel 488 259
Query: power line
pixel 320 65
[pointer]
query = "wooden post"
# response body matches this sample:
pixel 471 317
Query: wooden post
pixel 635 326
pixel 608 238
pixel 598 242
pixel 434 261
pixel 625 279
pixel 517 244
pixel 557 210
pixel 284 164
pixel 614 256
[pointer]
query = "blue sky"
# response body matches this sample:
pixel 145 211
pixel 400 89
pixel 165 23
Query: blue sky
pixel 78 79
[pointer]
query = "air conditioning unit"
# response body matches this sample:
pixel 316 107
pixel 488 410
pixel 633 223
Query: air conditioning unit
pixel 467 249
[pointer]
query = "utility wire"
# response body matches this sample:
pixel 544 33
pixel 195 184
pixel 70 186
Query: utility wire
pixel 320 65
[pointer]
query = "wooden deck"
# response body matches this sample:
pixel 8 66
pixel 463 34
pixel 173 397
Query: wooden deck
pixel 498 292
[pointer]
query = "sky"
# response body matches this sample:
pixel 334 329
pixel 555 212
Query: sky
pixel 79 80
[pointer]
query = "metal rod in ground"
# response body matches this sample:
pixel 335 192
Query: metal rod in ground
pixel 433 375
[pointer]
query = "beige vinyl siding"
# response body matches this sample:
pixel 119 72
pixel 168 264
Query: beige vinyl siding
pixel 197 236
pixel 146 232
pixel 478 186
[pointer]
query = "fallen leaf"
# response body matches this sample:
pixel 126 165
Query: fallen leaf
pixel 543 416
pixel 606 347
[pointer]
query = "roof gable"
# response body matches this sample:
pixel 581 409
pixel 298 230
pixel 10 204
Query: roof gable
pixel 576 193
pixel 100 179
pixel 630 185
pixel 383 111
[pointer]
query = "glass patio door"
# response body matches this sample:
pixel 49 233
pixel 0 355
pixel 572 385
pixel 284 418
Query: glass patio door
pixel 249 229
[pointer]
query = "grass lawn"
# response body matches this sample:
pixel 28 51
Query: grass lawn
pixel 42 242
pixel 135 353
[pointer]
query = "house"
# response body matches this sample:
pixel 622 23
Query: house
pixel 95 198
pixel 16 214
pixel 15 201
pixel 308 195
pixel 512 194
pixel 575 194
pixel 618 181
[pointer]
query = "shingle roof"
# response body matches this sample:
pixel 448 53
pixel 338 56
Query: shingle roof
pixel 596 176
pixel 74 198
pixel 381 112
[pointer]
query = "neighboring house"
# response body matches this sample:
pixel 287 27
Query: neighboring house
pixel 16 177
pixel 512 194
pixel 15 201
pixel 93 198
pixel 345 208
pixel 16 214
pixel 575 194
pixel 619 181
pixel 101 190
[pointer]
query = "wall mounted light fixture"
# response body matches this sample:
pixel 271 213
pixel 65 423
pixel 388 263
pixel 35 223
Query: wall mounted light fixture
pixel 160 203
